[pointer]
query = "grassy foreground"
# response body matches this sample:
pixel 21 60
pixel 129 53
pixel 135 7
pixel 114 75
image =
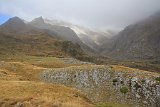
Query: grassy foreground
pixel 35 94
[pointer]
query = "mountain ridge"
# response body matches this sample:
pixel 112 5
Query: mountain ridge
pixel 26 39
pixel 137 41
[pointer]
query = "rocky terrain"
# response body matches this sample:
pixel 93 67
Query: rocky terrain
pixel 138 41
pixel 104 83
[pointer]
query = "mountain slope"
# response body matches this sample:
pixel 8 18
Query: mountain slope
pixel 20 38
pixel 64 33
pixel 33 94
pixel 137 41
pixel 93 39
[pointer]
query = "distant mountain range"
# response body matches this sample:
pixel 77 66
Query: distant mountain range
pixel 38 38
pixel 58 38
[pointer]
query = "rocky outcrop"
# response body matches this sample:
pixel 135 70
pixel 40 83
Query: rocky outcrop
pixel 104 83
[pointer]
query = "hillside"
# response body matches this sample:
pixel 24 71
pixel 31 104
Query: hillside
pixel 20 38
pixel 64 33
pixel 33 94
pixel 137 41
pixel 20 85
pixel 92 38
pixel 102 83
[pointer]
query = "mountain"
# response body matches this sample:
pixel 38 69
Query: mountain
pixel 64 33
pixel 15 21
pixel 93 39
pixel 14 24
pixel 37 62
pixel 16 37
pixel 137 41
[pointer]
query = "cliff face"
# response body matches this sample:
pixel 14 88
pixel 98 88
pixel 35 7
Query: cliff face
pixel 137 41
pixel 103 83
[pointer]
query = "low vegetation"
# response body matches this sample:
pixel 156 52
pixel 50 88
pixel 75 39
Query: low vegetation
pixel 24 69
pixel 33 94
pixel 110 105
pixel 124 90
pixel 158 79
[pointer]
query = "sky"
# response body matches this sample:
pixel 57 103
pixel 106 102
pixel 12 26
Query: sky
pixel 95 14
pixel 4 18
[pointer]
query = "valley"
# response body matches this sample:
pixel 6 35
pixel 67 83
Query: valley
pixel 50 65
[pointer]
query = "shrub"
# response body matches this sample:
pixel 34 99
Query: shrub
pixel 124 90
pixel 158 79
pixel 143 81
pixel 115 80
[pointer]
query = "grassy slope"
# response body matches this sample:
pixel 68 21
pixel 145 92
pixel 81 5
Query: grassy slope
pixel 30 94
pixel 17 74
pixel 37 44
pixel 19 84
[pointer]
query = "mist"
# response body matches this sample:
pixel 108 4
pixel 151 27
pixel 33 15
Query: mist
pixel 94 14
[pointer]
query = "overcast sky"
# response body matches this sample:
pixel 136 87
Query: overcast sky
pixel 97 14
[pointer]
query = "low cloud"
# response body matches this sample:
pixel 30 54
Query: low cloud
pixel 97 14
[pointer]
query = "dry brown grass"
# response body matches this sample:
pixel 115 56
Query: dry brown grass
pixel 32 93
pixel 139 73
pixel 18 89
pixel 23 71
pixel 18 73
pixel 47 62
pixel 7 75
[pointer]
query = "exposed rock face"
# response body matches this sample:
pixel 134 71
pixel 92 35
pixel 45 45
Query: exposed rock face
pixel 138 41
pixel 97 82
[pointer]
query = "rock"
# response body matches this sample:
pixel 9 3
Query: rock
pixel 96 81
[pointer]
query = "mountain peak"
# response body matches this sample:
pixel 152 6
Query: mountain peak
pixel 14 21
pixel 38 20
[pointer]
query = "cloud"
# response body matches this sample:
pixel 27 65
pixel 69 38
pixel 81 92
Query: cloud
pixel 91 13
